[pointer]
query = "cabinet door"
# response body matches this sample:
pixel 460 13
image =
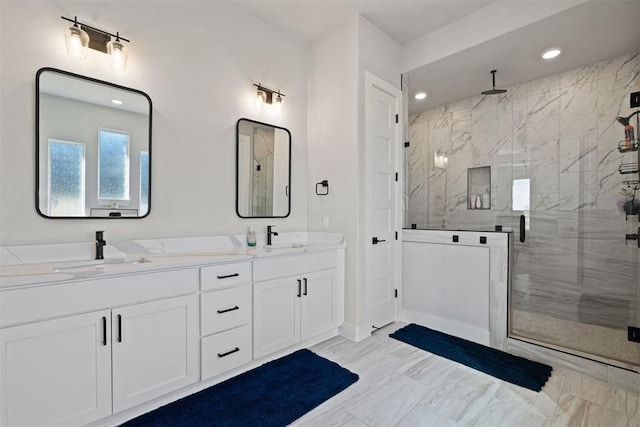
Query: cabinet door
pixel 276 311
pixel 318 308
pixel 56 372
pixel 155 349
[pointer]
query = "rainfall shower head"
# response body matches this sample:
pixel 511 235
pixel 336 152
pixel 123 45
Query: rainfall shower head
pixel 494 91
pixel 624 121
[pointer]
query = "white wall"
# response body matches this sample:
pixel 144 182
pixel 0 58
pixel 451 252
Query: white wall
pixel 197 61
pixel 332 136
pixel 336 141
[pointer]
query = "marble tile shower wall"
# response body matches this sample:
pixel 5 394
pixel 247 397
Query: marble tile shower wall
pixel 560 133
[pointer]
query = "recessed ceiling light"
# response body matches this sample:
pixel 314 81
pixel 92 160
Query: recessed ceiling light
pixel 551 53
pixel 116 101
pixel 420 95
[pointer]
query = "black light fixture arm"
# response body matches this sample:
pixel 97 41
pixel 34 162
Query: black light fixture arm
pixel 76 23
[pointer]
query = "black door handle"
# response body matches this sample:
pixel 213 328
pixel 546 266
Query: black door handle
pixel 522 228
pixel 375 241
pixel 119 328
pixel 104 330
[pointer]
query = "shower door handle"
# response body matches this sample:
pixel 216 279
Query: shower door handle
pixel 522 229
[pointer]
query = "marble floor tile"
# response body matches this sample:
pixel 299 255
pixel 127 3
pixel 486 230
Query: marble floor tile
pixel 386 404
pixel 574 411
pixel 403 386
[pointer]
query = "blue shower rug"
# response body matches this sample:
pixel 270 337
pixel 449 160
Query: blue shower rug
pixel 274 394
pixel 516 370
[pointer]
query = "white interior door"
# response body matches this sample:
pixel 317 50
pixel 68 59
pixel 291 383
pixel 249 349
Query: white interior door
pixel 382 203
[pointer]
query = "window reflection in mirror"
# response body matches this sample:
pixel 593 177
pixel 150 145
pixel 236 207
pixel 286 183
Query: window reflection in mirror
pixel 263 170
pixel 93 144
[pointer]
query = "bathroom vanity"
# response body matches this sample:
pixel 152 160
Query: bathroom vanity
pixel 86 341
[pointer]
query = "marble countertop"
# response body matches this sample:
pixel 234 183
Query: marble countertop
pixel 52 264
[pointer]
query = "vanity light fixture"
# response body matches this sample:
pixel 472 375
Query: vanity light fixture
pixel 420 95
pixel 551 53
pixel 80 37
pixel 266 96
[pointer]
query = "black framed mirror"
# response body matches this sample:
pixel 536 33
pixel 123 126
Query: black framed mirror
pixel 263 170
pixel 93 148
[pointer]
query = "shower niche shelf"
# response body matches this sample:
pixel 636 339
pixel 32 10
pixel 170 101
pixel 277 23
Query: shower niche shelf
pixel 625 147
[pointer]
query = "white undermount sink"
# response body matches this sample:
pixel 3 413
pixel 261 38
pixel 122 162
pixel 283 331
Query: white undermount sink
pixel 99 264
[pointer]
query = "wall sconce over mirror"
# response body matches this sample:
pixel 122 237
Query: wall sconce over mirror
pixel 79 38
pixel 268 96
pixel 93 148
pixel 263 170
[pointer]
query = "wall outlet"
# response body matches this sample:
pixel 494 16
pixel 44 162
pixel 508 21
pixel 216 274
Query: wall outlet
pixel 325 222
pixel 633 334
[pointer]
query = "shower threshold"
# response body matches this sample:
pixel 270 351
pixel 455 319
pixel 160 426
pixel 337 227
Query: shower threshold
pixel 584 340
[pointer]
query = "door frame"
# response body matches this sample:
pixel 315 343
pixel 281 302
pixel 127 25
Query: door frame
pixel 373 82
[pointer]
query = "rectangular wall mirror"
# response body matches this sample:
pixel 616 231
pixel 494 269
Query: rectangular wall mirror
pixel 263 170
pixel 93 148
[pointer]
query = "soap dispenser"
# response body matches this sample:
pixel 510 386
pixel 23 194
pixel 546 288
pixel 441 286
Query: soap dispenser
pixel 251 236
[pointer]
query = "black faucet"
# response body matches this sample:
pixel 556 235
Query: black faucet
pixel 100 242
pixel 270 233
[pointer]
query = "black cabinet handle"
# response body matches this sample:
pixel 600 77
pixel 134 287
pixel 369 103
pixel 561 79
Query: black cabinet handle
pixel 104 330
pixel 299 288
pixel 228 276
pixel 305 286
pixel 522 228
pixel 226 310
pixel 235 350
pixel 119 328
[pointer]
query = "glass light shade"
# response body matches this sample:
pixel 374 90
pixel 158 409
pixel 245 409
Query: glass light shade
pixel 118 54
pixel 77 41
pixel 260 98
pixel 278 104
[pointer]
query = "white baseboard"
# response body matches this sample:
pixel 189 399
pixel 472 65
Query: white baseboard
pixel 353 332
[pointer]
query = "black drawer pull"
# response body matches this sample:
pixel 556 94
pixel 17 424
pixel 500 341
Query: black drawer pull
pixel 235 350
pixel 229 275
pixel 226 310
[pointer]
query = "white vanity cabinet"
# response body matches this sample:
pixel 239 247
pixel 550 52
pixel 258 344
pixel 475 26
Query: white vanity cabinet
pixel 77 368
pixel 56 372
pixel 225 318
pixel 155 349
pixel 295 298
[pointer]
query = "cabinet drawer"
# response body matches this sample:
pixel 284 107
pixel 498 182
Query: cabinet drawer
pixel 223 276
pixel 225 309
pixel 225 351
pixel 271 268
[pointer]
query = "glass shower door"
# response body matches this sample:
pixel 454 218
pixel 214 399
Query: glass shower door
pixel 575 281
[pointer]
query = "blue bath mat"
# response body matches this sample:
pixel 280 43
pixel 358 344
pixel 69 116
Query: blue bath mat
pixel 274 394
pixel 516 370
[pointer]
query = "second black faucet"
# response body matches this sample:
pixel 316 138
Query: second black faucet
pixel 270 233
